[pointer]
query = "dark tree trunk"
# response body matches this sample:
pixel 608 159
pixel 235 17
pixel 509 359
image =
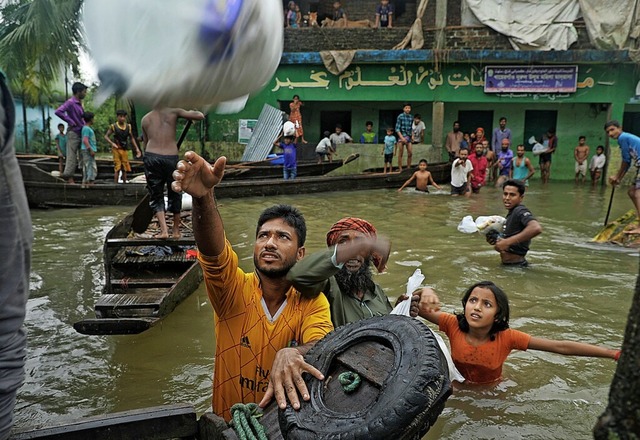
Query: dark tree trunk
pixel 133 117
pixel 621 419
pixel 25 123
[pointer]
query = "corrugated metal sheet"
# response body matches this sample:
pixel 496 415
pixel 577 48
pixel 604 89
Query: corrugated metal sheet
pixel 264 134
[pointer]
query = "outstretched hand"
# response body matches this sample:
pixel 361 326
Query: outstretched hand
pixel 285 380
pixel 196 176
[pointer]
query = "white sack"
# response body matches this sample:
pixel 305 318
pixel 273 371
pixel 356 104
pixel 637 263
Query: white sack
pixel 190 54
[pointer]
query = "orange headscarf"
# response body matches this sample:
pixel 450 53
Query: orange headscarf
pixel 352 224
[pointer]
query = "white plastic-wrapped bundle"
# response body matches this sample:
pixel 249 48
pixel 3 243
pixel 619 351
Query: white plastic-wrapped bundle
pixel 189 54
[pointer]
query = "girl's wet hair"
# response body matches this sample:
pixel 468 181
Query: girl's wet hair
pixel 502 315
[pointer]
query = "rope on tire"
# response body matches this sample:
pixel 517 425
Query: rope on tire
pixel 350 381
pixel 244 420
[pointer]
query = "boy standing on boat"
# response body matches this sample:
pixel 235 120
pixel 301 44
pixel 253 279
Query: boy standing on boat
pixel 160 159
pixel 264 325
pixel 89 150
pixel 61 147
pixel 121 132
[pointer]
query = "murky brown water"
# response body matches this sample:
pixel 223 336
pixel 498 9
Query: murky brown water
pixel 574 290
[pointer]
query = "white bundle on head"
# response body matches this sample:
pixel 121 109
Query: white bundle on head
pixel 194 54
pixel 289 129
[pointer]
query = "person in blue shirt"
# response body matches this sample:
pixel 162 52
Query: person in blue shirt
pixel 387 150
pixel 630 150
pixel 290 167
pixel 89 150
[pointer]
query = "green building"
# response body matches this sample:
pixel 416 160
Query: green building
pixel 469 74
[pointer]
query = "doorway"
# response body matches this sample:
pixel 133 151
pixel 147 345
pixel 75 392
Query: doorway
pixel 386 119
pixel 631 122
pixel 536 124
pixel 329 120
pixel 470 120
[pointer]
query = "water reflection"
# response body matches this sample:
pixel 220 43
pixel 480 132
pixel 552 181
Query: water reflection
pixel 573 290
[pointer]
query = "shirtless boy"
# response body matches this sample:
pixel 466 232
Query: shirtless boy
pixel 581 154
pixel 160 160
pixel 422 177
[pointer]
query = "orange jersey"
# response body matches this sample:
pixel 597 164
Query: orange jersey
pixel 247 337
pixel 482 364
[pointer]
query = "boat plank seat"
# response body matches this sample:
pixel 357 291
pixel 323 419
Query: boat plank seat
pixel 156 423
pixel 143 241
pixel 125 283
pixel 127 256
pixel 146 303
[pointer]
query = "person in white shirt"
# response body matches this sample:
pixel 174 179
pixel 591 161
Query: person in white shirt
pixel 324 148
pixel 598 161
pixel 461 170
pixel 339 137
pixel 417 130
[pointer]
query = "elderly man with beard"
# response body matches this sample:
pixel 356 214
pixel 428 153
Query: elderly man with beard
pixel 263 324
pixel 343 272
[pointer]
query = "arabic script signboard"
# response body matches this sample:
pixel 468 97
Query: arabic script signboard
pixel 530 79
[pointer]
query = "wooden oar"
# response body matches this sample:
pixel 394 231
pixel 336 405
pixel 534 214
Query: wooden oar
pixel 606 219
pixel 143 214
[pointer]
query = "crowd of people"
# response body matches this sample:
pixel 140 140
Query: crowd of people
pixel 268 319
pixel 294 18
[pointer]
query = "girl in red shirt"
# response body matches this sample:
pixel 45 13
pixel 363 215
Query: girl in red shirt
pixel 481 339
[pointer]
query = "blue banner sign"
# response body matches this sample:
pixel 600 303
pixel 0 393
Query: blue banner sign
pixel 531 79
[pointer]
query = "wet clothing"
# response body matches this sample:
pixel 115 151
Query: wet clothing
pixel 459 173
pixel 16 239
pixel 516 220
pixel 481 364
pixel 479 174
pixel 158 169
pixel 505 158
pixel 315 273
pixel 629 148
pixel 548 142
pixel 598 162
pixel 247 336
pixel 520 172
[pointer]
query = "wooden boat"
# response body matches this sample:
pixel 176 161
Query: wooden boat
pixel 145 278
pixel 440 171
pixel 105 166
pixel 44 190
pixel 267 170
pixel 400 396
pixel 239 170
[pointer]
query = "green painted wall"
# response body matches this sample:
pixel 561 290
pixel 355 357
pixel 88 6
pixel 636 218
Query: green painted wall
pixel 365 90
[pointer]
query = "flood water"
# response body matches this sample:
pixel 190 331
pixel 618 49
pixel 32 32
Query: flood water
pixel 573 290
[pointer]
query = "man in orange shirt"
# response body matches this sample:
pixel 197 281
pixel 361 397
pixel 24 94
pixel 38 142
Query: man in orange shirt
pixel 263 325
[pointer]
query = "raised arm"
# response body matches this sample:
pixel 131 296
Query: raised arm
pixel 197 177
pixel 193 115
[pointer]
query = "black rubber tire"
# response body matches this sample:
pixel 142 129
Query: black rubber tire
pixel 412 396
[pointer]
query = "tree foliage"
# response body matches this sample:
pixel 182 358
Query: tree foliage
pixel 39 40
